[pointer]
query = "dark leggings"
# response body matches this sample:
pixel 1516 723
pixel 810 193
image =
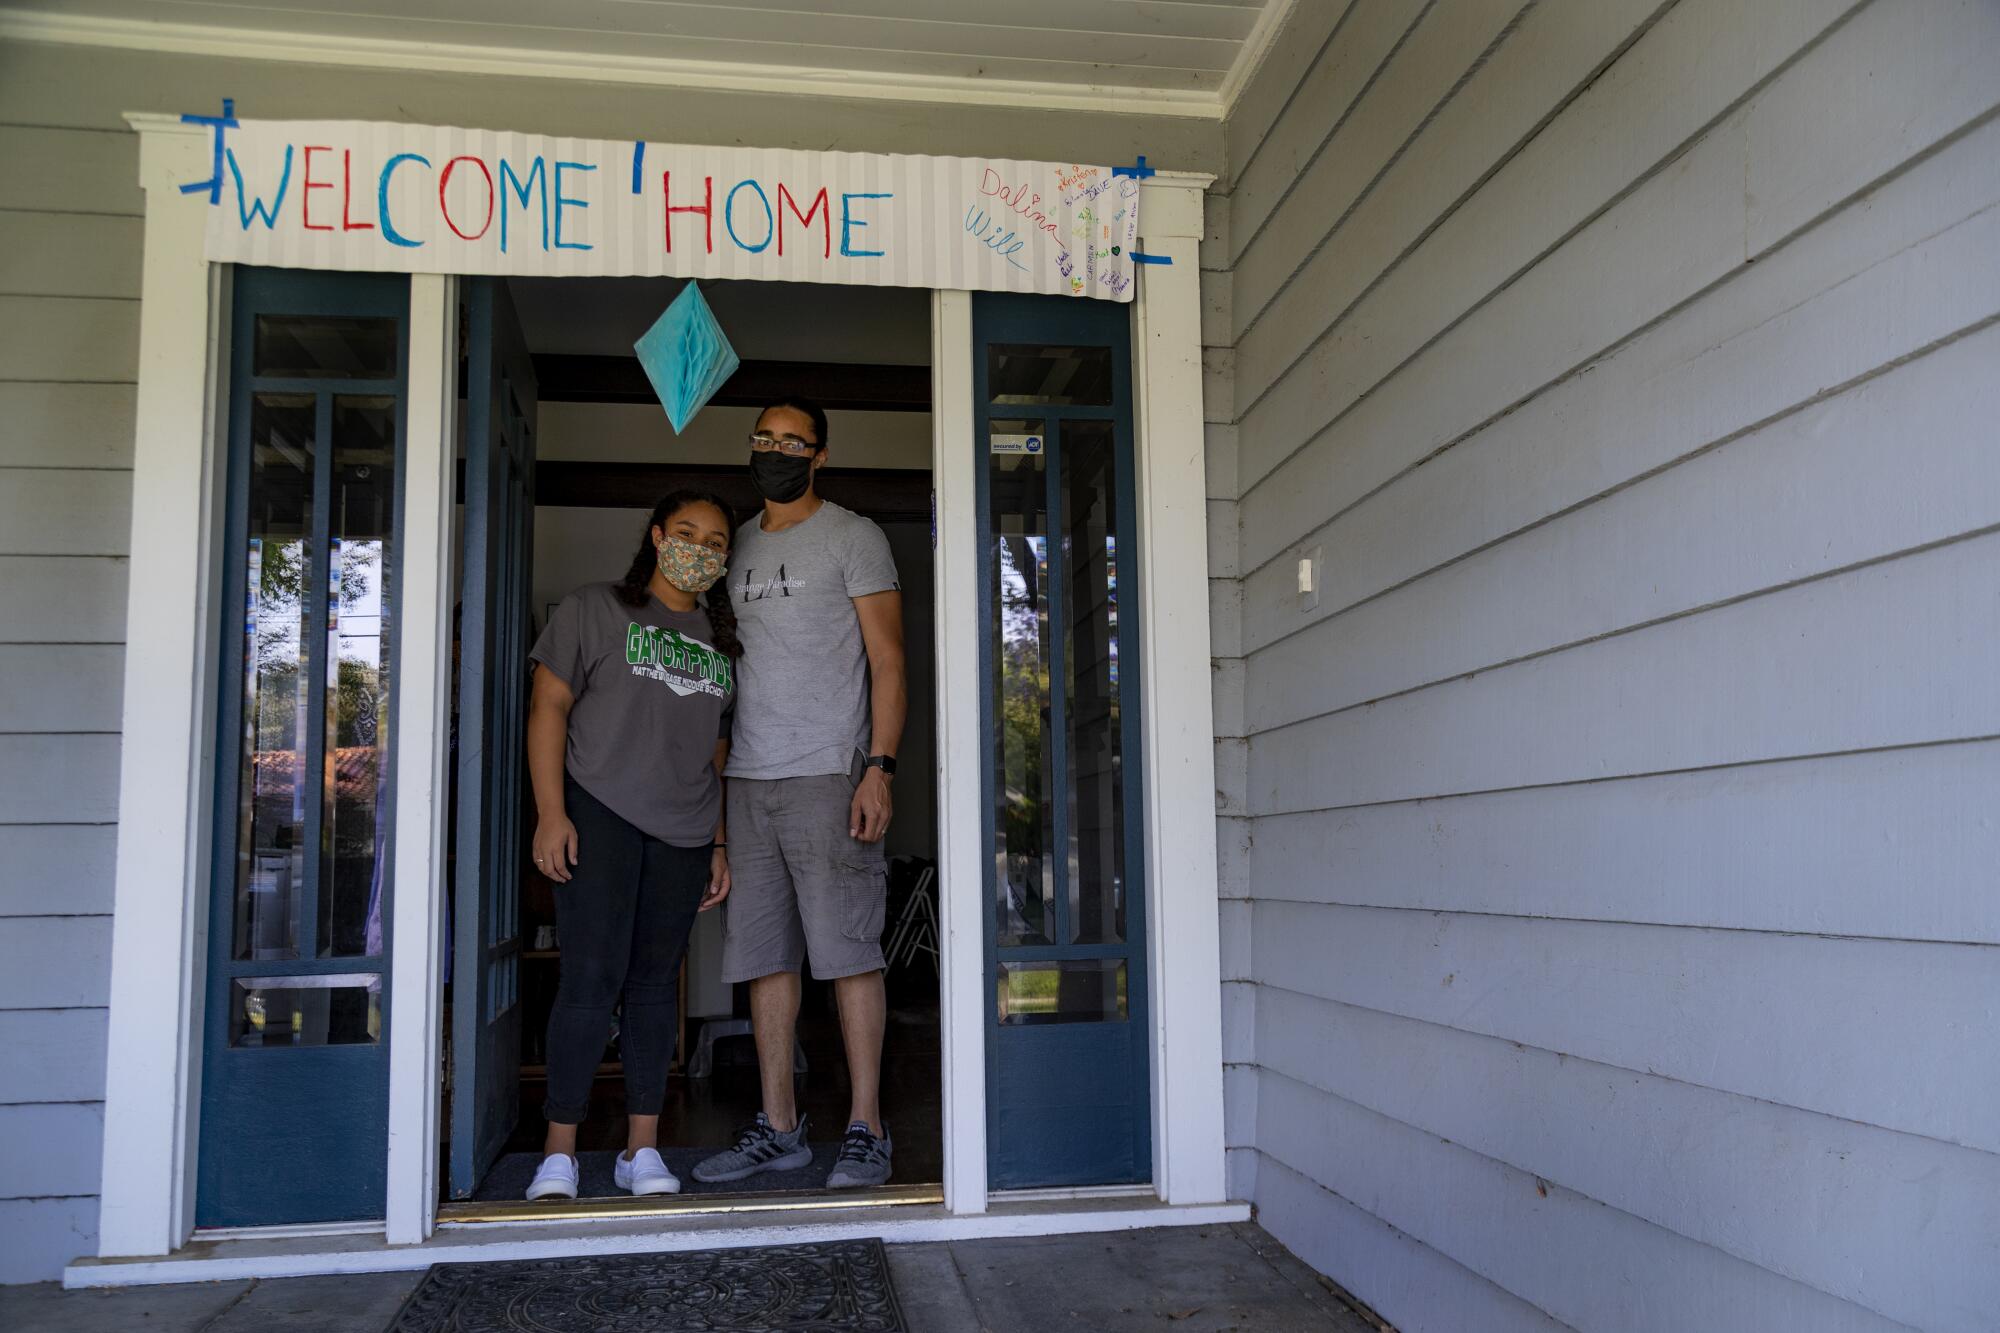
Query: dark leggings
pixel 624 919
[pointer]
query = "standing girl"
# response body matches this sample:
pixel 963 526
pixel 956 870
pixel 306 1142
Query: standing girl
pixel 628 732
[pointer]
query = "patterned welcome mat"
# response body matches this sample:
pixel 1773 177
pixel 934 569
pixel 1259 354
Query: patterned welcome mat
pixel 823 1288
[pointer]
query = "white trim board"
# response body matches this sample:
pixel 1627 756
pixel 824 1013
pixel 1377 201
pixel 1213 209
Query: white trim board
pixel 485 1242
pixel 248 43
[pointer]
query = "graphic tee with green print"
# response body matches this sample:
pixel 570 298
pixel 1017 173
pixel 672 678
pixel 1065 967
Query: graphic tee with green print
pixel 652 698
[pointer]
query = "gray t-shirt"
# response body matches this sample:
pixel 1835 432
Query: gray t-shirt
pixel 804 667
pixel 652 698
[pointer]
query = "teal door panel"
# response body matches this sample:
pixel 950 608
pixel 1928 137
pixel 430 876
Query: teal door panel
pixel 295 1090
pixel 1068 1099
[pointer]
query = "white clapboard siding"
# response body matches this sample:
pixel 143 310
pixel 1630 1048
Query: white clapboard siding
pixel 45 1234
pixel 1888 844
pixel 61 687
pixel 1614 817
pixel 55 962
pixel 70 171
pixel 1317 107
pixel 1307 35
pixel 69 340
pixel 50 1149
pixel 1239 1020
pixel 1874 284
pixel 1429 1292
pixel 1589 1265
pixel 65 511
pixel 1891 654
pixel 74 778
pixel 69 254
pixel 1887 1032
pixel 62 599
pixel 1676 79
pixel 1652 249
pixel 67 425
pixel 1548 52
pixel 1240 1169
pixel 1628 1139
pixel 66 864
pixel 53 1055
pixel 1796 499
pixel 1806 152
pixel 1676 233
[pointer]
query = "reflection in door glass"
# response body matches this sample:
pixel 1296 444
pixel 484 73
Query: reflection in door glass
pixel 271 840
pixel 1017 373
pixel 351 347
pixel 341 1010
pixel 359 610
pixel 1069 990
pixel 1096 850
pixel 1023 837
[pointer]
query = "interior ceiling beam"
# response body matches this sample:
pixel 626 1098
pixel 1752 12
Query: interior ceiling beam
pixel 887 495
pixel 565 378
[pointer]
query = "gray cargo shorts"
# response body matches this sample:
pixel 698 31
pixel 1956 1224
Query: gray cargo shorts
pixel 800 885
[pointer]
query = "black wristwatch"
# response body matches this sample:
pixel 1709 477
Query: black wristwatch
pixel 885 762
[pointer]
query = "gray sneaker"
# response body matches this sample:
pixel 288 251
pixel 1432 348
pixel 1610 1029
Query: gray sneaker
pixel 863 1160
pixel 758 1148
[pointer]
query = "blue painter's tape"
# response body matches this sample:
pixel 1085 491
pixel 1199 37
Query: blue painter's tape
pixel 1138 258
pixel 1139 169
pixel 638 166
pixel 225 121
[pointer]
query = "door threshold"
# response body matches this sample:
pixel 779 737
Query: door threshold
pixel 504 1211
pixel 297 1256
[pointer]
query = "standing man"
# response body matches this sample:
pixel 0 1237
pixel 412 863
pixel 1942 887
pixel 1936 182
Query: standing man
pixel 820 706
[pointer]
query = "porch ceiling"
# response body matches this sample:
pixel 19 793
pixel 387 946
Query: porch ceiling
pixel 1172 57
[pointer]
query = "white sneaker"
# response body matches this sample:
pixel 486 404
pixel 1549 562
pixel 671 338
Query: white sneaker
pixel 554 1178
pixel 644 1173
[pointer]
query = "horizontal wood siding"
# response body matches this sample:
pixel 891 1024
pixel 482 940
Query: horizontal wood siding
pixel 1610 927
pixel 70 234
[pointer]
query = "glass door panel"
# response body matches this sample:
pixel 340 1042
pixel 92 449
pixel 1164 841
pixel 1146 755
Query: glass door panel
pixel 276 552
pixel 294 1119
pixel 1068 1098
pixel 1093 715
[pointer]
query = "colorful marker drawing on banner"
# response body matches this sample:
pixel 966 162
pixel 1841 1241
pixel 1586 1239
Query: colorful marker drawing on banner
pixel 416 198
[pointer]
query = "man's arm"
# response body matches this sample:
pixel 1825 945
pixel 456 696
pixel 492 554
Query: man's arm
pixel 881 616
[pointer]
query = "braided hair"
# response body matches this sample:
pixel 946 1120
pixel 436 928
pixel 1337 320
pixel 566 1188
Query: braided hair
pixel 634 589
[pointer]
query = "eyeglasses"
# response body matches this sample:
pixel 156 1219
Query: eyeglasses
pixel 764 444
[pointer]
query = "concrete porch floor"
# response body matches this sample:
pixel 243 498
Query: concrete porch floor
pixel 1189 1279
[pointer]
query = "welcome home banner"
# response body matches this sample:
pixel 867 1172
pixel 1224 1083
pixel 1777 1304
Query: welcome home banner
pixel 432 199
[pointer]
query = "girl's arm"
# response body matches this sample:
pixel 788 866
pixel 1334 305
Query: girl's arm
pixel 718 861
pixel 548 740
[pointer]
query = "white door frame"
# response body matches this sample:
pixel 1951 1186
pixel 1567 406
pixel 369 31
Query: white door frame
pixel 159 946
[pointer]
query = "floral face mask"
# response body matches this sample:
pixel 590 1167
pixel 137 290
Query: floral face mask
pixel 689 567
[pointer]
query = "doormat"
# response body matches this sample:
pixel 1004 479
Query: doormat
pixel 829 1287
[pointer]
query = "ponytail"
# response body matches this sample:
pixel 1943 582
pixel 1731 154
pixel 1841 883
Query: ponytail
pixel 635 588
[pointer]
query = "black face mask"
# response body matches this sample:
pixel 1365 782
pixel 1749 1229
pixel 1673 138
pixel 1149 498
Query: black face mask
pixel 780 478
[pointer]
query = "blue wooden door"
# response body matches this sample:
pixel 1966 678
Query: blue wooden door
pixel 494 639
pixel 295 1080
pixel 1067 1093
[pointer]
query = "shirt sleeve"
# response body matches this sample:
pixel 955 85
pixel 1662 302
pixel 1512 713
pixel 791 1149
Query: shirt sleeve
pixel 869 567
pixel 560 648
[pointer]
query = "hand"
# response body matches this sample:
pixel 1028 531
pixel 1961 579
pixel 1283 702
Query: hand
pixel 555 848
pixel 869 813
pixel 718 879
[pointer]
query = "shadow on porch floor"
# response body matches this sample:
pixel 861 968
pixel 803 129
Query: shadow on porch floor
pixel 1190 1279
